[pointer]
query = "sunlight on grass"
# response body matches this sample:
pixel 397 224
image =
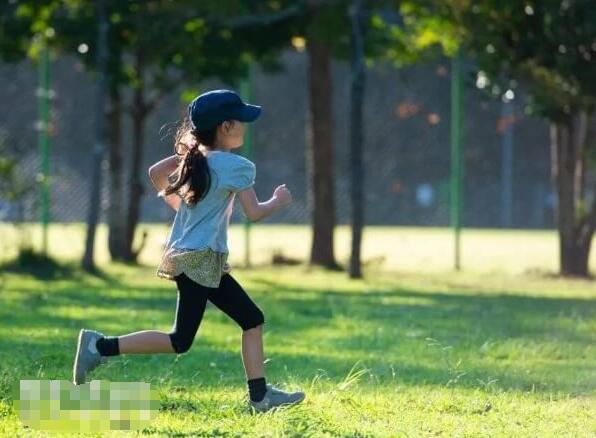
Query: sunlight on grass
pixel 383 247
pixel 407 353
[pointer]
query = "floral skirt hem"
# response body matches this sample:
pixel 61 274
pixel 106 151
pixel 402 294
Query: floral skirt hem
pixel 203 266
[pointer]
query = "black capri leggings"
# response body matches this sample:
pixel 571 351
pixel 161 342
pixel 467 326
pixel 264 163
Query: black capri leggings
pixel 229 297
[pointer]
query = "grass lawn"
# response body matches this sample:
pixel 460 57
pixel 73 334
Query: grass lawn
pixel 411 350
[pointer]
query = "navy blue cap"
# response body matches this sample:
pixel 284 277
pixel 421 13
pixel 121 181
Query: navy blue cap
pixel 214 107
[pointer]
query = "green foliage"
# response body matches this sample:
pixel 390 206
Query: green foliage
pixel 13 186
pixel 331 23
pixel 21 25
pixel 188 41
pixel 407 32
pixel 549 46
pixel 176 41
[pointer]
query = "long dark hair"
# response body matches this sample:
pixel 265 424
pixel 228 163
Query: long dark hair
pixel 192 179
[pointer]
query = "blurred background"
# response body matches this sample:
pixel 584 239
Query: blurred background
pixel 406 146
pixel 409 119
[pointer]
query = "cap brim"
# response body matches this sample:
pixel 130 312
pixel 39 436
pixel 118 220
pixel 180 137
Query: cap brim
pixel 249 113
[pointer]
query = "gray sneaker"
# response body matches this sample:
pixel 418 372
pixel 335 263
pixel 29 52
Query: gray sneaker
pixel 87 357
pixel 275 397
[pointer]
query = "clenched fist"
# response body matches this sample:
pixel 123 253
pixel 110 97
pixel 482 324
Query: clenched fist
pixel 283 195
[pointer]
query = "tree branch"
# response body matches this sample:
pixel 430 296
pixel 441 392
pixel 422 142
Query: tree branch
pixel 260 19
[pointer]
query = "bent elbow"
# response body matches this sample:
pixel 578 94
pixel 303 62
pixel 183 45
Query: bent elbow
pixel 154 177
pixel 253 215
pixel 151 172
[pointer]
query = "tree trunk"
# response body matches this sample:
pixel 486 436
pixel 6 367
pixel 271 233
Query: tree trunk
pixel 572 139
pixel 88 261
pixel 135 187
pixel 320 163
pixel 116 217
pixel 357 138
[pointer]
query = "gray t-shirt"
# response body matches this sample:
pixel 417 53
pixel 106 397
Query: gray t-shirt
pixel 205 224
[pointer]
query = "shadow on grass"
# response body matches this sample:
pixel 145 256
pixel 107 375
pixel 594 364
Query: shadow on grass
pixel 43 267
pixel 395 356
pixel 39 266
pixel 510 314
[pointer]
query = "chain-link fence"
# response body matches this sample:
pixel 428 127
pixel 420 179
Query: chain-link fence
pixel 406 148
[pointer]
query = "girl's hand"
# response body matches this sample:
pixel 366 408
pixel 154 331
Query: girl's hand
pixel 282 195
pixel 185 143
pixel 182 148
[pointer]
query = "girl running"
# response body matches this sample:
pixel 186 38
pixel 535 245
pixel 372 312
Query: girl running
pixel 200 182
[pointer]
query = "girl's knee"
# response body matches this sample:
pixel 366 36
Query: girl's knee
pixel 253 331
pixel 180 344
pixel 254 323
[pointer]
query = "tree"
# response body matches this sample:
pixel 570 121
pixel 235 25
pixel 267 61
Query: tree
pixel 327 27
pixel 376 34
pixel 88 261
pixel 320 157
pixel 358 74
pixel 549 48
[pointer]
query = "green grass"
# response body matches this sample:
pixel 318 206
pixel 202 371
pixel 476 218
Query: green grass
pixel 488 352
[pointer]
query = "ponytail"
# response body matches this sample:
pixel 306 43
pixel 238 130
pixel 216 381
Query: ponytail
pixel 192 179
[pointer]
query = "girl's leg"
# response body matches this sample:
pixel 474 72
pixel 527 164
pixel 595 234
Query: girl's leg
pixel 231 298
pixel 192 301
pixel 190 308
pixel 252 352
pixel 147 341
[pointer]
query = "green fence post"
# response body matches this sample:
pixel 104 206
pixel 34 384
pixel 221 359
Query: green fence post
pixel 246 93
pixel 456 155
pixel 44 143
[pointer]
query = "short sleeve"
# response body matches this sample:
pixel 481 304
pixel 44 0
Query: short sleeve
pixel 241 175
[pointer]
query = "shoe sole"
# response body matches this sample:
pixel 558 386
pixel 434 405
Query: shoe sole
pixel 300 400
pixel 283 405
pixel 78 375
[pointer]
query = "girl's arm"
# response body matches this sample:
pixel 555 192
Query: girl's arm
pixel 158 174
pixel 255 210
